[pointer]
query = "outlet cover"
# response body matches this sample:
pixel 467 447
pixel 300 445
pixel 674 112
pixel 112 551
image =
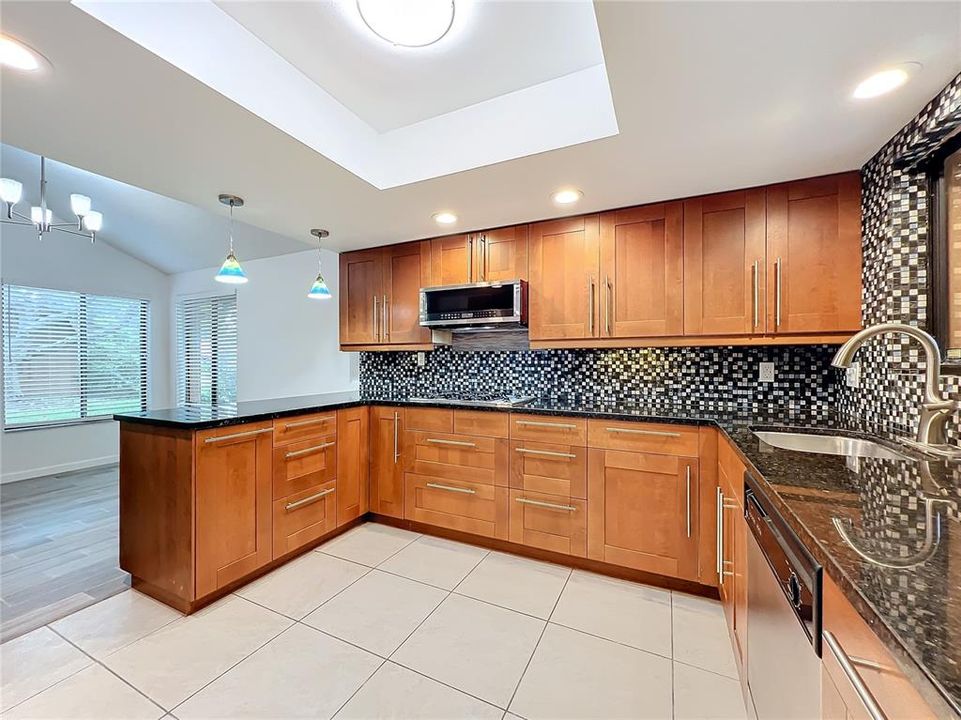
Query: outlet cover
pixel 852 376
pixel 421 359
pixel 766 372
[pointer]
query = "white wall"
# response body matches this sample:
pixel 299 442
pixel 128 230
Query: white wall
pixel 65 262
pixel 287 344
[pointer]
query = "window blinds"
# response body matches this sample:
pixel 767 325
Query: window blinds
pixel 207 350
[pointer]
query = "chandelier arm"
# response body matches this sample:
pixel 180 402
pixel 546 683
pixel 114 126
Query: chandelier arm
pixel 21 216
pixel 24 222
pixel 58 228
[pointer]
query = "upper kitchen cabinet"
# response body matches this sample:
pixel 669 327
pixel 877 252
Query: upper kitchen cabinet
pixel 724 264
pixel 642 272
pixel 814 255
pixel 487 256
pixel 564 278
pixel 380 296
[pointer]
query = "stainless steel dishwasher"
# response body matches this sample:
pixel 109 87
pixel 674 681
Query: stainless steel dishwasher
pixel 783 614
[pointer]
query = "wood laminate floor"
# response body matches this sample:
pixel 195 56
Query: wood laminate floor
pixel 58 547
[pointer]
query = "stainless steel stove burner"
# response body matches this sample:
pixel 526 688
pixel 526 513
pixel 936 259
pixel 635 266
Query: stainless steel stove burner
pixel 469 398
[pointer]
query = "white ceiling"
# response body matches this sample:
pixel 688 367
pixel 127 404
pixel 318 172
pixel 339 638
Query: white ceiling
pixel 170 235
pixel 709 97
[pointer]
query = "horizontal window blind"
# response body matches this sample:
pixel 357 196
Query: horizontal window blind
pixel 71 356
pixel 207 350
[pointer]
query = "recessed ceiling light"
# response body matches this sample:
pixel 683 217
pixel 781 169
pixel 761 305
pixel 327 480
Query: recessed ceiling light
pixel 444 218
pixel 15 54
pixel 408 23
pixel 567 196
pixel 885 81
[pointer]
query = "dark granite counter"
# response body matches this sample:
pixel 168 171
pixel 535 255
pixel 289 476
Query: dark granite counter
pixel 886 505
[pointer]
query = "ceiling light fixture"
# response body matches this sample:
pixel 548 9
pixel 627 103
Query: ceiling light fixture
pixel 885 81
pixel 319 290
pixel 15 54
pixel 444 218
pixel 408 23
pixel 567 196
pixel 231 272
pixel 88 222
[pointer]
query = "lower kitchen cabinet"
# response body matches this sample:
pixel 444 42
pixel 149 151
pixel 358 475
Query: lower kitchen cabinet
pixel 473 507
pixel 732 546
pixel 549 522
pixel 353 459
pixel 304 517
pixel 386 461
pixel 643 511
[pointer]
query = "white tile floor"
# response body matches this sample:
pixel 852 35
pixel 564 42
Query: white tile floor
pixel 382 623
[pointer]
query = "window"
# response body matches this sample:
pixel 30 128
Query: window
pixel 207 350
pixel 72 356
pixel 945 300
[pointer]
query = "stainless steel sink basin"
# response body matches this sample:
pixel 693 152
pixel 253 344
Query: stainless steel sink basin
pixel 827 444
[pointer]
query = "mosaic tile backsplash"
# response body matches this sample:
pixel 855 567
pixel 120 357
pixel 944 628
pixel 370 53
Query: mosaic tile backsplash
pixel 701 378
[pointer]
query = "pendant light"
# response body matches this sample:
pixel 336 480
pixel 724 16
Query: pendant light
pixel 230 271
pixel 319 290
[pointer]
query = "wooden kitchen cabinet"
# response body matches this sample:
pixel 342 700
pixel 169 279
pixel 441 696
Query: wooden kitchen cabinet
pixel 361 290
pixel 353 455
pixel 487 256
pixel 641 276
pixel 643 511
pixel 814 255
pixel 386 461
pixel 451 260
pixel 406 269
pixel 564 278
pixel 233 503
pixel 732 546
pixel 725 264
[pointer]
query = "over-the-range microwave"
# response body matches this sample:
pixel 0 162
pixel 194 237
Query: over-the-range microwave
pixel 475 306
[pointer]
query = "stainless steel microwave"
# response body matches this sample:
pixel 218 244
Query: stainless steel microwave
pixel 475 306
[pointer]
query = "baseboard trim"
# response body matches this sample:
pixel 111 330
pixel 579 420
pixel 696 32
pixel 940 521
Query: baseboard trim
pixel 57 469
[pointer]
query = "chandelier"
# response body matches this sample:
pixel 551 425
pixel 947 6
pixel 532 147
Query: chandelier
pixel 88 222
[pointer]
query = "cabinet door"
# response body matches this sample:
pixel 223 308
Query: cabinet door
pixel 724 264
pixel 642 511
pixel 642 271
pixel 563 290
pixel 739 554
pixel 353 452
pixel 451 260
pixel 814 255
pixel 502 254
pixel 386 461
pixel 406 271
pixel 233 491
pixel 361 290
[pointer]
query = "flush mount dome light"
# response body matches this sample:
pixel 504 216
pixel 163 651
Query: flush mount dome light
pixel 444 218
pixel 567 196
pixel 408 23
pixel 885 81
pixel 15 54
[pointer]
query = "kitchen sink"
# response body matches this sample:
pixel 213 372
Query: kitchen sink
pixel 827 444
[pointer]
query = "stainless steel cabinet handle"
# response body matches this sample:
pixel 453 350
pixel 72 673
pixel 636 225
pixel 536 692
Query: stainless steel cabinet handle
pixel 375 321
pixel 687 481
pixel 729 505
pixel 547 453
pixel 719 532
pixel 459 443
pixel 549 506
pixel 396 422
pixel 309 500
pixel 537 423
pixel 234 436
pixel 307 451
pixel 633 431
pixel 451 488
pixel 864 694
pixel 385 325
pixel 590 304
pixel 312 421
pixel 777 293
pixel 470 258
pixel 483 241
pixel 609 300
pixel 756 271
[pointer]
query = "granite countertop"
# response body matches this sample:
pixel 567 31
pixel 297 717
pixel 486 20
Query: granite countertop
pixel 885 503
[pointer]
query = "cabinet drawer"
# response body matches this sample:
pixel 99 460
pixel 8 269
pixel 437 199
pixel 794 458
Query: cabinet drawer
pixel 643 437
pixel 431 419
pixel 541 428
pixel 550 522
pixel 549 468
pixel 301 427
pixel 868 659
pixel 303 517
pixel 304 464
pixel 458 457
pixel 474 422
pixel 477 508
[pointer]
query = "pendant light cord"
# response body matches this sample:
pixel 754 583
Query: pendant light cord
pixel 230 228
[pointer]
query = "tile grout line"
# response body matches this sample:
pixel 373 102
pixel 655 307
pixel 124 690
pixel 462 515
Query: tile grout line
pixel 673 698
pixel 360 687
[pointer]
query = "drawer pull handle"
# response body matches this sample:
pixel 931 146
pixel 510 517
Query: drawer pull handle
pixel 313 421
pixel 867 699
pixel 308 500
pixel 550 506
pixel 536 423
pixel 451 488
pixel 634 431
pixel 548 453
pixel 458 443
pixel 307 451
pixel 234 436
